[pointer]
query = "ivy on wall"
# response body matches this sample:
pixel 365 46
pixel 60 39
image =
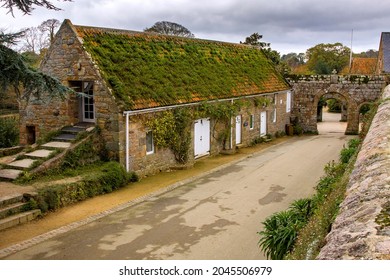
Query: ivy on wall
pixel 172 128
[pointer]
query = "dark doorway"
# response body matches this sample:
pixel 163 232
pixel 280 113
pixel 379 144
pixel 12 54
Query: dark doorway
pixel 31 135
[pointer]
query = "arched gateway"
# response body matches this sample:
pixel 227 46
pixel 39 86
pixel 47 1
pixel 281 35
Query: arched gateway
pixel 352 91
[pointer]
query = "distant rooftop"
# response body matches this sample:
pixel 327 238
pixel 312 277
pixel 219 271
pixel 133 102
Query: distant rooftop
pixel 385 43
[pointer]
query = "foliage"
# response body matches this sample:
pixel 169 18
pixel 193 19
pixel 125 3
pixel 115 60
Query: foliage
pixel 278 236
pixel 161 70
pixel 334 105
pixel 222 112
pixel 9 132
pixel 254 40
pixel 347 152
pixel 17 74
pixel 86 153
pixel 367 54
pixel 294 60
pixel 324 58
pixel 27 6
pixel 172 130
pixel 15 71
pixel 109 177
pixel 170 28
pixel 367 119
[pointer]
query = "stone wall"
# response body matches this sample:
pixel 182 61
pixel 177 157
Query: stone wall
pixel 362 228
pixel 67 60
pixel 354 91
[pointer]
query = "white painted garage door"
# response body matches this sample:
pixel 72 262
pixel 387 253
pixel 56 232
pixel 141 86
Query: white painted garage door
pixel 263 123
pixel 202 137
pixel 238 129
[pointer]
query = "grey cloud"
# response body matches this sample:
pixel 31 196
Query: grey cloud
pixel 289 24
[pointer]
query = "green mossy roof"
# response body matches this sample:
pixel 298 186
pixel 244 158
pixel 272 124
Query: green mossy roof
pixel 146 70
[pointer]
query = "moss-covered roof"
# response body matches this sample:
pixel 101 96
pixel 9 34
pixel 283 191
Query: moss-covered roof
pixel 147 70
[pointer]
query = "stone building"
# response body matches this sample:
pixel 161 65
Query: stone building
pixel 132 79
pixel 383 64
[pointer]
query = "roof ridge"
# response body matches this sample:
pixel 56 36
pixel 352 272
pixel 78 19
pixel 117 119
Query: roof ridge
pixel 133 32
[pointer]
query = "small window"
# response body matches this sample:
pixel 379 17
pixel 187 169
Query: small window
pixel 149 143
pixel 252 122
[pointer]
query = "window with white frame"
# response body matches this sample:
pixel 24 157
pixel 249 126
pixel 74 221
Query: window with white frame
pixel 251 121
pixel 288 102
pixel 149 143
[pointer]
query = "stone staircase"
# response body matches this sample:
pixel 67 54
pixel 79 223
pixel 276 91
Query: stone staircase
pixel 26 161
pixel 14 210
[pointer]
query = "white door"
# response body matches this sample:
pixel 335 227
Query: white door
pixel 263 123
pixel 201 137
pixel 238 129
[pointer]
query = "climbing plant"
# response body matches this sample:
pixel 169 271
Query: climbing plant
pixel 172 129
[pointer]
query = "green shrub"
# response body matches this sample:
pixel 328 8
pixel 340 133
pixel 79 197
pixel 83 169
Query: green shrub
pixel 347 153
pixel 302 208
pixel 279 234
pixel 109 177
pixel 9 132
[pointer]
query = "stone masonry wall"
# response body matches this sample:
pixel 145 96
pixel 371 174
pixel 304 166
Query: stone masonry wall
pixel 163 159
pixel 362 228
pixel 67 60
pixel 353 90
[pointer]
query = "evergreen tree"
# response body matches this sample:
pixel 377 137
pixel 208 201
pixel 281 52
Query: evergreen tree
pixel 15 72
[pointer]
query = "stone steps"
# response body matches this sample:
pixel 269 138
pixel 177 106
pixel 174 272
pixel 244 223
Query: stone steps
pixel 18 219
pixel 12 211
pixel 10 174
pixel 26 161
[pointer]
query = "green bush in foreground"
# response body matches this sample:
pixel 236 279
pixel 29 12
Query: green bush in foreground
pixel 9 132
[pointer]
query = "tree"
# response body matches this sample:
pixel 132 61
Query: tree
pixel 23 79
pixel 254 40
pixel 368 54
pixel 170 28
pixel 294 60
pixel 49 26
pixel 15 72
pixel 27 6
pixel 37 39
pixel 324 58
pixel 33 40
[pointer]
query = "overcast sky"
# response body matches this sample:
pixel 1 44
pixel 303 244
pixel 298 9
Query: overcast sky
pixel 289 25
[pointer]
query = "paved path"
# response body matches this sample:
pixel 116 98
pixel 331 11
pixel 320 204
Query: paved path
pixel 215 217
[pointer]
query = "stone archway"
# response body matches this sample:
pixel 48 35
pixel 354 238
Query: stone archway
pixel 352 113
pixel 354 90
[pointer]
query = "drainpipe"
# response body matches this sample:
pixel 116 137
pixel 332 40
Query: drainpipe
pixel 127 143
pixel 231 129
